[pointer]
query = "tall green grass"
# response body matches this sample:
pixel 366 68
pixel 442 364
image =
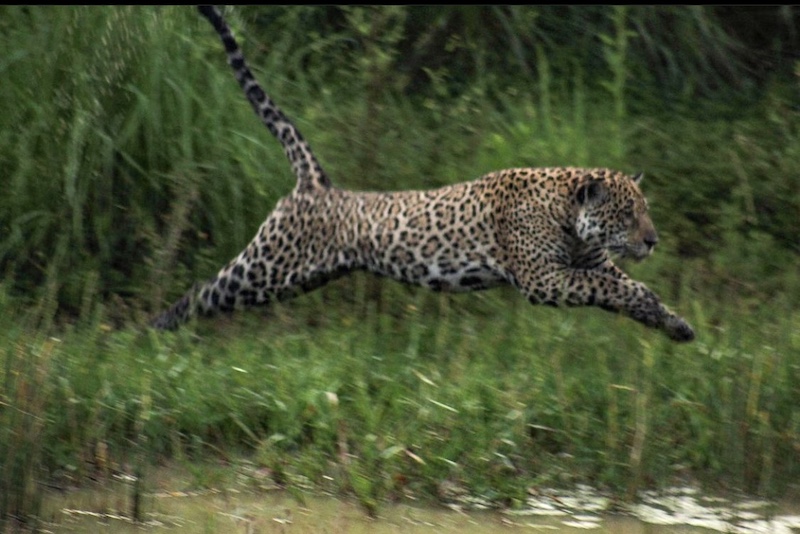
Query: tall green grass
pixel 91 181
pixel 428 399
pixel 26 381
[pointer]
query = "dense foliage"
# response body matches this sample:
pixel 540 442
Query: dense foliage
pixel 131 161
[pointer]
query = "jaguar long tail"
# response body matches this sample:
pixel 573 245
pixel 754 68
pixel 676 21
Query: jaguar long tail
pixel 306 168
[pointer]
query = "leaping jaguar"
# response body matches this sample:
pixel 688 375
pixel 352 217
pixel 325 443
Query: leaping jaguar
pixel 548 232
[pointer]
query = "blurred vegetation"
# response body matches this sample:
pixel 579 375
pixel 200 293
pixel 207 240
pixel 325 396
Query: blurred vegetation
pixel 676 51
pixel 435 400
pixel 132 167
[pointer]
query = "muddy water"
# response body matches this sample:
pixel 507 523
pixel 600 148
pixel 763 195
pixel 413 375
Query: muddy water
pixel 683 511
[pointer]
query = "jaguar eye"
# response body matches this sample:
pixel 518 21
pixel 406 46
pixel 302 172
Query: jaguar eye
pixel 628 209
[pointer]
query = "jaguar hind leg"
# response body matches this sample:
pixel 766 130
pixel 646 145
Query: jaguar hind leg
pixel 275 266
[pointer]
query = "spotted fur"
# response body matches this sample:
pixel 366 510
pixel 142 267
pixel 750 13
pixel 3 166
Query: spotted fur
pixel 546 231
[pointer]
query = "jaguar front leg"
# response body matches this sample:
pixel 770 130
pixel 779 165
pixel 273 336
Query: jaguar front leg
pixel 610 289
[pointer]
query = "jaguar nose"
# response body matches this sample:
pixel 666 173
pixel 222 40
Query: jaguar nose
pixel 651 240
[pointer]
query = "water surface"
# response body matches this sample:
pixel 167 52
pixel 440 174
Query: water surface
pixel 107 508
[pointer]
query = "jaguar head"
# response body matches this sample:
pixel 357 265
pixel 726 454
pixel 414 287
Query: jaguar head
pixel 613 214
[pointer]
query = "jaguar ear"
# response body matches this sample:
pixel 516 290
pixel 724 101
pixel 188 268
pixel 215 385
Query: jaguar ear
pixel 637 178
pixel 591 191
